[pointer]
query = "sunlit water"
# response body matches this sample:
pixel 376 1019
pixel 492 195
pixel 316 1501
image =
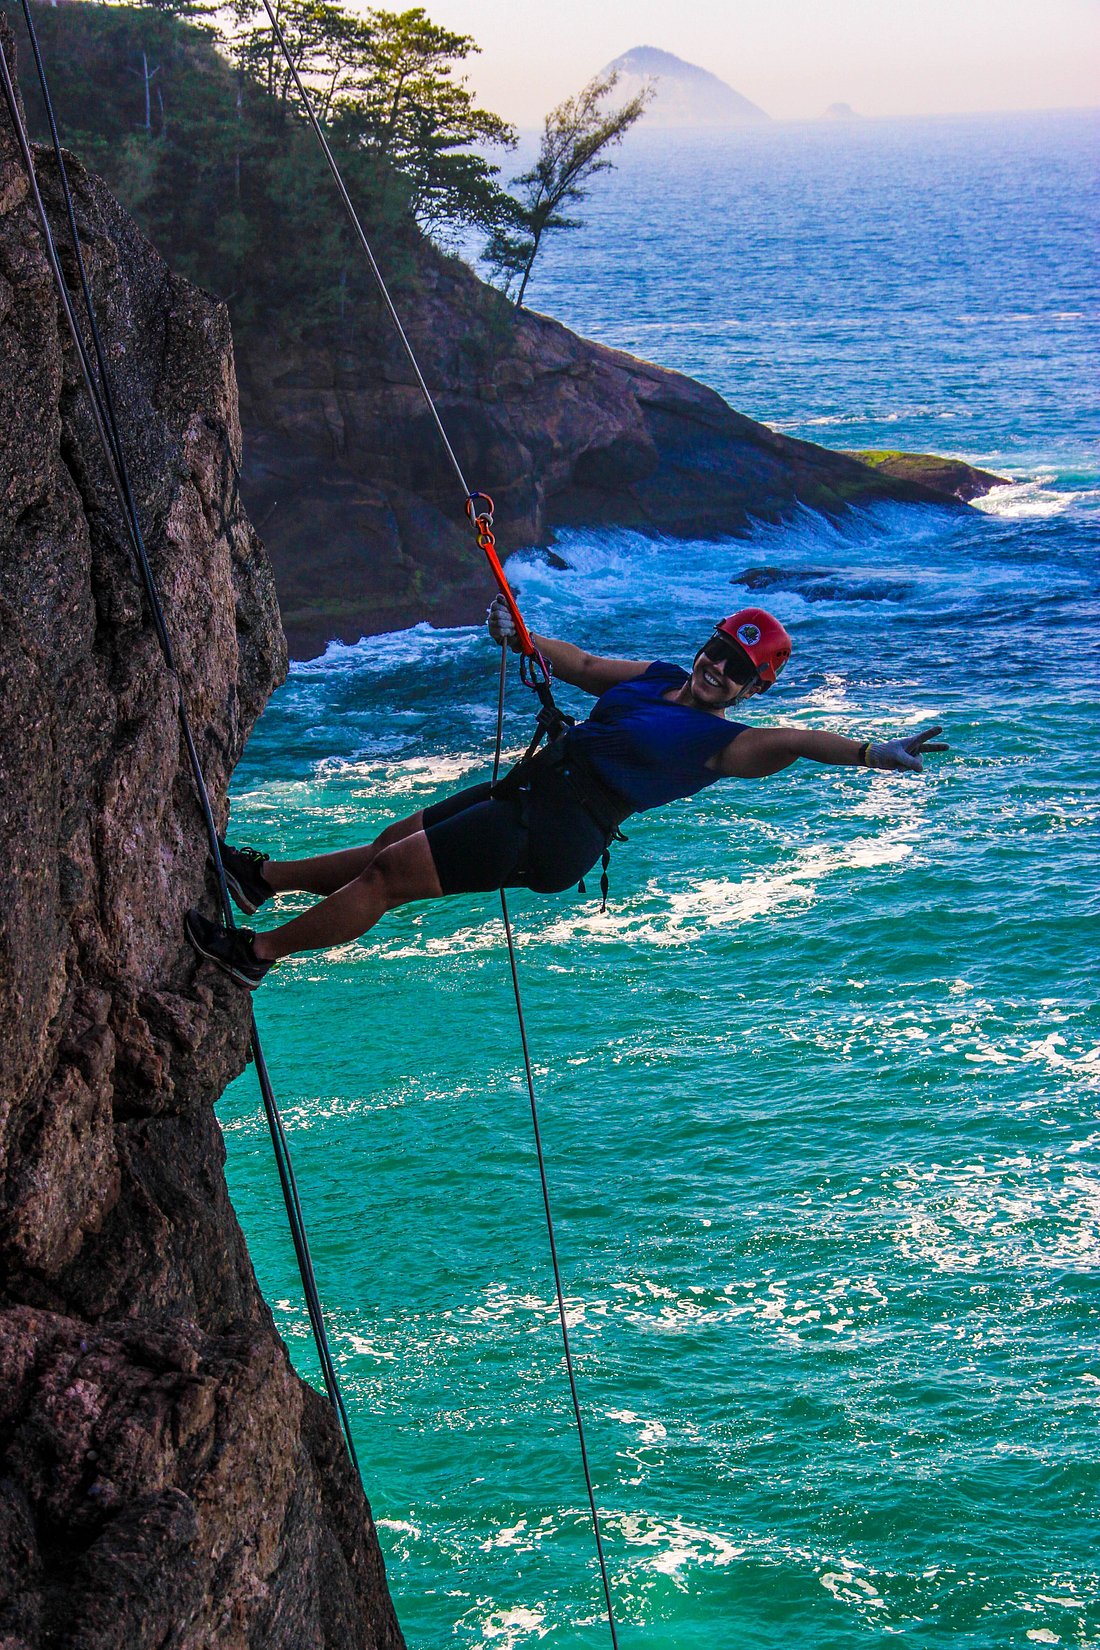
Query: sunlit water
pixel 819 1091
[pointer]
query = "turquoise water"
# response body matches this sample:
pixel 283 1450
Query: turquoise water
pixel 819 1091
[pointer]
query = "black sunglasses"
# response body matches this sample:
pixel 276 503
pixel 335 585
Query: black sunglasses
pixel 721 650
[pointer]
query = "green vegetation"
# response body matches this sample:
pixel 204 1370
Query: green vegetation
pixel 194 126
pixel 878 457
pixel 575 140
pixel 189 112
pixel 385 87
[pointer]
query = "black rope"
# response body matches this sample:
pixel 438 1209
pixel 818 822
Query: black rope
pixel 107 428
pixel 546 1187
pixel 500 715
pixel 105 418
pixel 548 709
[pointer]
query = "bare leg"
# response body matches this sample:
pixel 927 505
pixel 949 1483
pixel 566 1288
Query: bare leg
pixel 325 873
pixel 403 871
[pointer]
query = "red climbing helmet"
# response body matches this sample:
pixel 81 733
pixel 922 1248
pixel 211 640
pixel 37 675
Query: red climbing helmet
pixel 762 637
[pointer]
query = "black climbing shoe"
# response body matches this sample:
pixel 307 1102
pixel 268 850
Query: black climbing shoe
pixel 244 877
pixel 229 949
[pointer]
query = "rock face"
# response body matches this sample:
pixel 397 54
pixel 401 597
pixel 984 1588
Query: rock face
pixel 166 1480
pixel 362 514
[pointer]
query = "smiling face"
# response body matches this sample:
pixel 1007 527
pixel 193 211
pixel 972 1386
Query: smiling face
pixel 711 687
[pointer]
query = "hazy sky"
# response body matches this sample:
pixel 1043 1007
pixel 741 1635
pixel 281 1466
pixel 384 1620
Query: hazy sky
pixel 795 57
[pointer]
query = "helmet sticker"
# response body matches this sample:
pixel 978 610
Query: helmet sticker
pixel 749 634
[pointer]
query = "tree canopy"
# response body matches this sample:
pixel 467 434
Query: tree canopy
pixel 189 111
pixel 385 82
pixel 191 116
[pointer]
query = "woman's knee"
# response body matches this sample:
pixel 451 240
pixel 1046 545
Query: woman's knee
pixel 398 831
pixel 402 872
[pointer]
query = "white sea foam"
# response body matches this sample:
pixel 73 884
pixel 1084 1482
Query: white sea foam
pixel 318 1110
pixel 654 917
pixel 382 779
pixel 728 902
pixel 520 1537
pixel 364 1348
pixel 393 648
pixel 651 1432
pixel 1023 499
pixel 1010 1211
pixel 618 572
pixel 675 1544
pixel 831 698
pixel 848 1586
pixel 506 1629
pixel 399 1526
pixel 872 416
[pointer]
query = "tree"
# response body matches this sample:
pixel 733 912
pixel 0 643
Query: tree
pixel 196 126
pixel 405 103
pixel 385 83
pixel 325 44
pixel 575 139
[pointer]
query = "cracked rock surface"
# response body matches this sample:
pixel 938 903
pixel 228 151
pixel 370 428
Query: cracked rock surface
pixel 165 1478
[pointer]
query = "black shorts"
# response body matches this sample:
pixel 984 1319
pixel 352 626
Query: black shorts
pixel 541 838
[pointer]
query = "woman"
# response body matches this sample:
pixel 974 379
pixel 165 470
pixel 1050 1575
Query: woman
pixel 656 733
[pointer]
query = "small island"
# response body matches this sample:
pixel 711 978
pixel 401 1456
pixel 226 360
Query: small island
pixel 685 94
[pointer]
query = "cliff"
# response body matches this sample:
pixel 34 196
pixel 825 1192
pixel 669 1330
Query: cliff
pixel 361 514
pixel 166 1479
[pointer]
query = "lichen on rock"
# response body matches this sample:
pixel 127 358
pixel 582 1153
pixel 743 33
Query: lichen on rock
pixel 952 479
pixel 166 1478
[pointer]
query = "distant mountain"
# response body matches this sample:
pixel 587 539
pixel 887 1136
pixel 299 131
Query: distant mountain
pixel 686 94
pixel 841 111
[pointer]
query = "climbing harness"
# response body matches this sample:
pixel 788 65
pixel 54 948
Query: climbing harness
pixel 552 723
pixel 604 807
pixel 104 416
pixel 600 803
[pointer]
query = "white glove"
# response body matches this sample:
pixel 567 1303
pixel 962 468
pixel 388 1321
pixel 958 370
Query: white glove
pixel 904 755
pixel 501 625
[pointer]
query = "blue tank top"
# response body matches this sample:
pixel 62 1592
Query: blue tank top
pixel 646 749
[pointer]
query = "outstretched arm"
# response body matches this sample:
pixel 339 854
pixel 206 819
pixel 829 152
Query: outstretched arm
pixel 590 671
pixel 758 752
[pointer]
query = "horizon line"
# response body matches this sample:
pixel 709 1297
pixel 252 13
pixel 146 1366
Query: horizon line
pixel 856 119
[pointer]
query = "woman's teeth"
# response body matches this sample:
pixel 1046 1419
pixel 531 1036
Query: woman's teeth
pixel 715 681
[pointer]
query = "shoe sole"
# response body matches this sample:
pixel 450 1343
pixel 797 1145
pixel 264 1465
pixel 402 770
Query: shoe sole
pixel 240 898
pixel 234 974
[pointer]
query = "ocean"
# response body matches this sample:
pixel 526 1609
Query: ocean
pixel 819 1090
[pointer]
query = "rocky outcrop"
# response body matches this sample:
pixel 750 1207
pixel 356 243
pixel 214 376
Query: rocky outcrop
pixel 955 481
pixel 166 1479
pixel 362 514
